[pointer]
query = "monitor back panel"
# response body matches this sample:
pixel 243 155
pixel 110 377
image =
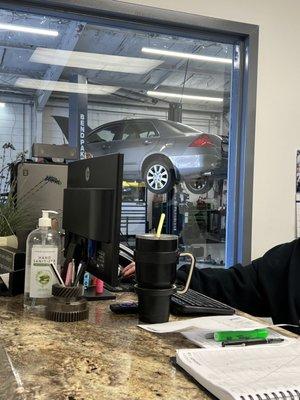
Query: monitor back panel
pixel 97 215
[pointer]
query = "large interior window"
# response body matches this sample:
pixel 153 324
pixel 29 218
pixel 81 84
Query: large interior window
pixel 163 100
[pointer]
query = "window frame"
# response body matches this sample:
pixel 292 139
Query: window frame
pixel 243 100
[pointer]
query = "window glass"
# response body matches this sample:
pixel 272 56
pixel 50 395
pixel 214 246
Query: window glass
pixel 180 128
pixel 107 134
pixel 139 130
pixel 160 99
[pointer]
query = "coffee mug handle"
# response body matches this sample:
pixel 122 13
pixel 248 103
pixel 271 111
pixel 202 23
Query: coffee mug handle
pixel 188 281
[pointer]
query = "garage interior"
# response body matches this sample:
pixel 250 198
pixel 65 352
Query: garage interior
pixel 171 85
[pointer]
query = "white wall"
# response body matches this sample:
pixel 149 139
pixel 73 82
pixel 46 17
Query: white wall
pixel 11 126
pixel 277 124
pixel 15 129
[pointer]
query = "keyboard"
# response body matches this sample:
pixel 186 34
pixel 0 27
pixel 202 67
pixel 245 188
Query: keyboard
pixel 193 302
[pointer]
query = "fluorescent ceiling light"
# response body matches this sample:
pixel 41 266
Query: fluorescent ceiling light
pixel 191 56
pixel 184 96
pixel 2 105
pixel 68 87
pixel 101 62
pixel 27 29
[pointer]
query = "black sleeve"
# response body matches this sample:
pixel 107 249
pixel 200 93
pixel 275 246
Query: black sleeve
pixel 269 286
pixel 237 286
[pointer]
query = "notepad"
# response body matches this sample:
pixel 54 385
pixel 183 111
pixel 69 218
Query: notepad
pixel 262 372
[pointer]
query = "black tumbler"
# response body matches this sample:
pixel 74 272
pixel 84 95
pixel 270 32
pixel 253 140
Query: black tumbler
pixel 156 260
pixel 154 304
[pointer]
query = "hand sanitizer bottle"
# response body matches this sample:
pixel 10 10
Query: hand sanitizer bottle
pixel 43 248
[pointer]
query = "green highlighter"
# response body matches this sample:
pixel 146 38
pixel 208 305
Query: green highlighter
pixel 223 336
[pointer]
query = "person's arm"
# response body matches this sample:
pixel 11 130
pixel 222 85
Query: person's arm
pixel 237 286
pixel 269 286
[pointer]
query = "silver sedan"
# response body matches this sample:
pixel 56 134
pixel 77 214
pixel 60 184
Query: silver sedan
pixel 160 152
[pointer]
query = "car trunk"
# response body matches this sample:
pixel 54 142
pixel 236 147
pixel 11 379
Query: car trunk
pixel 63 123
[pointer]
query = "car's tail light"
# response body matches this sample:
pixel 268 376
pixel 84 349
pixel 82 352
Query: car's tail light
pixel 202 141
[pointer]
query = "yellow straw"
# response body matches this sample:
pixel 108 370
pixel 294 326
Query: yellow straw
pixel 160 225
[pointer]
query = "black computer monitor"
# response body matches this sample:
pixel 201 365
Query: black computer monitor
pixel 92 211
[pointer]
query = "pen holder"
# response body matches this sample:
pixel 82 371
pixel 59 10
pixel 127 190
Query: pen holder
pixel 67 304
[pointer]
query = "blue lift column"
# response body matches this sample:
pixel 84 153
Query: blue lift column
pixel 175 115
pixel 78 103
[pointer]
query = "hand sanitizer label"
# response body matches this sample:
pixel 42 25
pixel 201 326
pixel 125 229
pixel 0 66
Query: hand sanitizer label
pixel 42 277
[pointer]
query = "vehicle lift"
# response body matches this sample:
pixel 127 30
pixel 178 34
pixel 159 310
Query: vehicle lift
pixel 177 198
pixel 174 197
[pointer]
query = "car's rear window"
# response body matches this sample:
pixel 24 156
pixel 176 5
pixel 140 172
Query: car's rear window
pixel 181 128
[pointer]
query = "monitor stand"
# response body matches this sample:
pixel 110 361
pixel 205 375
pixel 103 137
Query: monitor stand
pixel 122 287
pixel 91 295
pixel 108 292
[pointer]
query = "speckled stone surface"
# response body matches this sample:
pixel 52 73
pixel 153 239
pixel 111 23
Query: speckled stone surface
pixel 107 357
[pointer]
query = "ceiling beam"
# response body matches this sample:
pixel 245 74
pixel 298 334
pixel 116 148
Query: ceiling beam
pixel 68 42
pixel 6 92
pixel 162 106
pixel 204 70
pixel 170 68
pixel 20 73
pixel 12 74
pixel 21 47
pixel 144 87
pixel 195 92
pixel 184 65
pixel 134 90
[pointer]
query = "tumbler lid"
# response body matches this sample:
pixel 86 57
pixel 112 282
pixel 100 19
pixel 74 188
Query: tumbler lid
pixel 152 236
pixel 150 242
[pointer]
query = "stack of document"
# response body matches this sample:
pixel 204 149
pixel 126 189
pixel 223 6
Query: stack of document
pixel 199 330
pixel 256 372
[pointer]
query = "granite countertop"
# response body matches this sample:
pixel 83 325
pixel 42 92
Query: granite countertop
pixel 107 357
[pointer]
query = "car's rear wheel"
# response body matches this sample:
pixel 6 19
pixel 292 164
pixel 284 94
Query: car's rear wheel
pixel 200 185
pixel 159 177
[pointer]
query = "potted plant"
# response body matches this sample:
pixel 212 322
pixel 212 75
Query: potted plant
pixel 15 213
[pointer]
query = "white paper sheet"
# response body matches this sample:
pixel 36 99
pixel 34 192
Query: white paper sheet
pixel 197 330
pixel 212 324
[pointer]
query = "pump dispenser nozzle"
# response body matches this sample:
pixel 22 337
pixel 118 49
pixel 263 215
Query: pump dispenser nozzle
pixel 45 221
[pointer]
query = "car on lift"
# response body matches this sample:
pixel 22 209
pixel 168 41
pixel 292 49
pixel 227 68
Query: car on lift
pixel 160 152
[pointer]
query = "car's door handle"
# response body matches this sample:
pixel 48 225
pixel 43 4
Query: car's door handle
pixel 147 142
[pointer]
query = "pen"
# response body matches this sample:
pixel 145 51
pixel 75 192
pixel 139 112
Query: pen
pixel 56 273
pixel 70 274
pixel 73 272
pixel 80 273
pixel 251 342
